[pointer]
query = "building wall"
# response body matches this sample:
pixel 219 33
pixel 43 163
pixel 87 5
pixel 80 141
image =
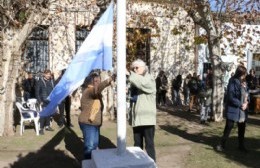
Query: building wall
pixel 168 52
pixel 171 53
pixel 238 45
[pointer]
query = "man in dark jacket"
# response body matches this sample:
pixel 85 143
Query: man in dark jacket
pixel 29 87
pixel 64 106
pixel 43 89
pixel 193 86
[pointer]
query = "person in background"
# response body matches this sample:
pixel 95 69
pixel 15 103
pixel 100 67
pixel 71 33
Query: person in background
pixel 176 87
pixel 144 113
pixel 161 88
pixel 235 103
pixel 29 87
pixel 186 90
pixel 44 87
pixel 251 80
pixel 206 102
pixel 194 88
pixel 90 118
pixel 64 106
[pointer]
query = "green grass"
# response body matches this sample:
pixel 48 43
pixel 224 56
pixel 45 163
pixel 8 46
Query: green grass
pixel 183 130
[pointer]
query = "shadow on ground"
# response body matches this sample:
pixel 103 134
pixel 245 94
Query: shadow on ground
pixel 250 159
pixel 49 156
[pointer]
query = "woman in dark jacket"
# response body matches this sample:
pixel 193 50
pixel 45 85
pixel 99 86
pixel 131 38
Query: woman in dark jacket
pixel 234 105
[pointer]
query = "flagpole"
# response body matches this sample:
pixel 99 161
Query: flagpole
pixel 121 76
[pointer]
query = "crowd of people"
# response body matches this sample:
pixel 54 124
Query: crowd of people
pixel 145 94
pixel 190 91
pixel 40 89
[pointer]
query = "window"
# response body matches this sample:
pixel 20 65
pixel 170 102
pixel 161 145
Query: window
pixel 81 34
pixel 36 54
pixel 138 45
pixel 206 67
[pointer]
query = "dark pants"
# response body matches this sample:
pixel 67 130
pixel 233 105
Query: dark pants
pixel 45 121
pixel 241 132
pixel 65 106
pixel 145 133
pixel 161 97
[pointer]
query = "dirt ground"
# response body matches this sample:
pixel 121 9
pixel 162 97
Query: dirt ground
pixel 63 148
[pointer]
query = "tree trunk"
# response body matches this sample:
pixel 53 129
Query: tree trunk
pixel 201 16
pixel 218 84
pixel 7 80
pixel 13 39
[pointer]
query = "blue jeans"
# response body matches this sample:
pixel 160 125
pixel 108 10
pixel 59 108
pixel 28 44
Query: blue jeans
pixel 91 138
pixel 176 98
pixel 186 96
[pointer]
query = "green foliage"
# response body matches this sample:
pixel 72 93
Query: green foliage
pixel 176 31
pixel 187 48
pixel 136 39
pixel 200 40
pixel 22 16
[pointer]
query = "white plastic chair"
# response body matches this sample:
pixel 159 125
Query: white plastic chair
pixel 28 115
pixel 33 105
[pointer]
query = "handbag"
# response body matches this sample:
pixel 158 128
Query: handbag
pixel 95 108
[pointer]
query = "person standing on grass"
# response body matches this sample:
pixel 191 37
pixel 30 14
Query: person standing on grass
pixel 90 118
pixel 143 115
pixel 186 90
pixel 194 88
pixel 161 88
pixel 176 87
pixel 206 101
pixel 236 105
pixel 64 106
pixel 44 87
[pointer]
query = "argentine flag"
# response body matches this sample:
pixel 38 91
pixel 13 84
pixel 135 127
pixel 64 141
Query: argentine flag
pixel 94 53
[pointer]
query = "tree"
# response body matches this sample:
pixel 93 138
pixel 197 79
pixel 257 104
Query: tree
pixel 18 18
pixel 17 21
pixel 211 15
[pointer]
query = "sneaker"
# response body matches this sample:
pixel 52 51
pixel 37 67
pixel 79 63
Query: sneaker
pixel 49 129
pixel 219 148
pixel 41 132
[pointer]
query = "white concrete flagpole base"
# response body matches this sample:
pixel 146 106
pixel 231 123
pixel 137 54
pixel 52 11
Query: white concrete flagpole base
pixel 134 157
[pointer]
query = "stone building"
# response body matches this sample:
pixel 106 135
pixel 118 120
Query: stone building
pixel 244 48
pixel 55 42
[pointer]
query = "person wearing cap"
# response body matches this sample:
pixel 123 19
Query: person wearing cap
pixel 143 115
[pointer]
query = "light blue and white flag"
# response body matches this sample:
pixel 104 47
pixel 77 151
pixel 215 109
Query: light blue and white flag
pixel 94 53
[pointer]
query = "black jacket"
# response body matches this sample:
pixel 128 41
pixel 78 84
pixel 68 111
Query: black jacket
pixel 43 89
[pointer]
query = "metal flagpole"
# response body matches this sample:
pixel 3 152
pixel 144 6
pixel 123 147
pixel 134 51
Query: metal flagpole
pixel 121 76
